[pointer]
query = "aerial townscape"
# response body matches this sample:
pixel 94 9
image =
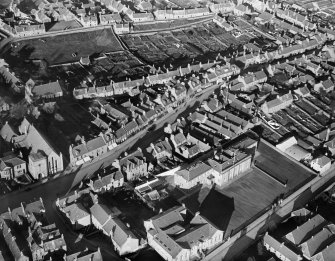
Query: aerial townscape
pixel 178 130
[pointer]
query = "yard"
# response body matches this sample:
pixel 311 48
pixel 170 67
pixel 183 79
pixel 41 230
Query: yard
pixel 134 211
pixel 252 193
pixel 282 168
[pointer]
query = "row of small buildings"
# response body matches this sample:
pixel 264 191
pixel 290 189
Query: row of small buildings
pixel 284 51
pixel 43 239
pixel 213 75
pixel 81 214
pixel 313 240
pixel 146 112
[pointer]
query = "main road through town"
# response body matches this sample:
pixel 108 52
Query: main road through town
pixel 50 190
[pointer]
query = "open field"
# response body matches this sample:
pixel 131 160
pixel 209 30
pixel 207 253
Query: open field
pixel 63 48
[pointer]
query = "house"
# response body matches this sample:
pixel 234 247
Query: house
pixel 180 14
pixel 133 165
pixel 222 7
pixel 12 167
pixel 229 165
pixel 76 205
pixel 188 147
pixel 327 86
pixel 4 106
pixel 78 215
pixel 302 91
pixel 280 249
pixel 241 10
pixel 161 149
pixel 327 254
pixel 174 238
pixel 196 173
pixel 142 17
pixel 110 18
pixel 9 77
pixel 247 82
pixel 321 164
pixel 330 144
pixel 86 255
pixel 306 230
pixel 28 30
pixel 48 90
pixel 144 6
pixel 91 149
pixel 28 136
pixel 89 21
pixel 106 181
pixel 123 239
pixel 27 232
pixel 290 147
pixel 281 102
pixel 312 246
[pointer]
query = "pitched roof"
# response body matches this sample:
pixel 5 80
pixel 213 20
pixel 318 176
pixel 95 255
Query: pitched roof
pixel 118 230
pixel 306 230
pixel 47 89
pixel 194 171
pixel 76 211
pixel 168 217
pixel 318 241
pixel 85 256
pixel 281 248
pixel 322 161
pixel 101 213
pixel 327 254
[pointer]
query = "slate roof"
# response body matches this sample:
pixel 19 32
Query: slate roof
pixel 101 213
pixel 326 254
pixel 47 89
pixel 322 161
pixel 318 241
pixel 118 230
pixel 281 248
pixel 306 230
pixel 85 256
pixel 76 211
pixel 194 171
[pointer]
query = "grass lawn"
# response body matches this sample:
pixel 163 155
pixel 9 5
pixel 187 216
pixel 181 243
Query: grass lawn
pixel 64 48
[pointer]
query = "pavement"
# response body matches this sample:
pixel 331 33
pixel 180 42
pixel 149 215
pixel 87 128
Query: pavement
pixel 50 190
